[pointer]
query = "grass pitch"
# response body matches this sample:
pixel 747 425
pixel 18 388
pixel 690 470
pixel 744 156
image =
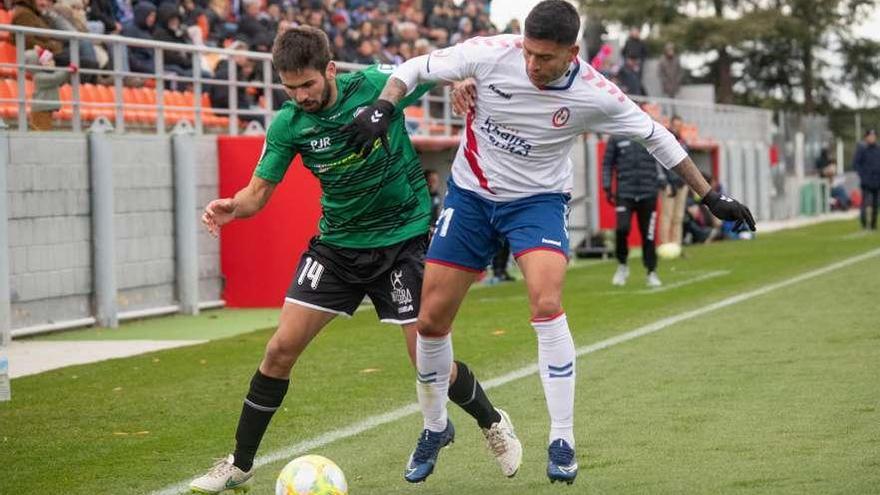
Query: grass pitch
pixel 777 394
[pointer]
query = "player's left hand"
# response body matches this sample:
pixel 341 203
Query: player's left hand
pixel 729 209
pixel 369 125
pixel 464 96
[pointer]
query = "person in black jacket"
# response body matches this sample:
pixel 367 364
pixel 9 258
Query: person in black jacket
pixel 866 162
pixel 141 59
pixel 169 29
pixel 639 177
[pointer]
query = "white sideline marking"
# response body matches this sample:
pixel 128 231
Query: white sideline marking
pixel 391 416
pixel 666 287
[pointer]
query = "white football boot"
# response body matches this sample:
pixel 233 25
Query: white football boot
pixel 620 275
pixel 223 476
pixel 653 280
pixel 504 445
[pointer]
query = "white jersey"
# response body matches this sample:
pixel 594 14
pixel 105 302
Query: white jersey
pixel 517 141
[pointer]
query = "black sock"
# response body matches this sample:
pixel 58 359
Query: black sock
pixel 263 399
pixel 469 395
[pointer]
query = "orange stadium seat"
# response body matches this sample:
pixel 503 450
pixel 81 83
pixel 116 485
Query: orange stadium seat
pixel 7 56
pixel 9 93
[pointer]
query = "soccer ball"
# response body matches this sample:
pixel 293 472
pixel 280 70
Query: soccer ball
pixel 311 475
pixel 669 250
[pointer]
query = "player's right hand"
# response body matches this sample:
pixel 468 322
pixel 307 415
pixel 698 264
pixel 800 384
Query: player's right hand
pixel 729 209
pixel 464 96
pixel 368 126
pixel 217 214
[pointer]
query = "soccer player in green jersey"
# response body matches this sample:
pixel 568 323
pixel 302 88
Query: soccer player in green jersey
pixel 372 240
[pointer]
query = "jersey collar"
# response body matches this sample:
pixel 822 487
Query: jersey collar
pixel 567 79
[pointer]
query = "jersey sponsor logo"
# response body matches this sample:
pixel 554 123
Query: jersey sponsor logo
pixel 551 242
pixel 311 271
pixel 560 118
pixel 400 295
pixel 320 144
pixel 505 138
pixel 500 93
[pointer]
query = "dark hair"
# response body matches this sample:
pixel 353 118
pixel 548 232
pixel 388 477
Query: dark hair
pixel 301 48
pixel 553 20
pixel 676 117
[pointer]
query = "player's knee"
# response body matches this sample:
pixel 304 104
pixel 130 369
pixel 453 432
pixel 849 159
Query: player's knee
pixel 546 306
pixel 431 327
pixel 279 357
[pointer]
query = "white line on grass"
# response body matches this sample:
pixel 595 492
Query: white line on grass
pixel 402 412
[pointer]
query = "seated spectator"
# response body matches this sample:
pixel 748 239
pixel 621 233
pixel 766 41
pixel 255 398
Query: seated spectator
pixel 217 13
pixel 250 27
pixel 168 28
pixel 245 71
pixel 32 13
pixel 141 59
pixel 102 11
pixel 69 15
pixel 365 54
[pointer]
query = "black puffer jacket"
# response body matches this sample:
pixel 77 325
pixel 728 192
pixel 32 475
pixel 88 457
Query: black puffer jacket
pixel 638 175
pixel 164 32
pixel 867 163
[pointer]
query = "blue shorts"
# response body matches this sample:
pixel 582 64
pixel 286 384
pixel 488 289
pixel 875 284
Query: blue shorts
pixel 470 228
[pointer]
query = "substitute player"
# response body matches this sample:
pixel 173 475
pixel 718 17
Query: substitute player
pixel 373 235
pixel 511 178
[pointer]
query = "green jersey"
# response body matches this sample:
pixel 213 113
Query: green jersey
pixel 368 203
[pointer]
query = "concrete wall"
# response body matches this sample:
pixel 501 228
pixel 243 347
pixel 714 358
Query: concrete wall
pixel 50 225
pixel 49 228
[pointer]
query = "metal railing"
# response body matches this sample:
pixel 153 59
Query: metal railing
pixel 715 121
pixel 436 112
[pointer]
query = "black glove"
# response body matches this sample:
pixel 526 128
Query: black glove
pixel 729 209
pixel 371 124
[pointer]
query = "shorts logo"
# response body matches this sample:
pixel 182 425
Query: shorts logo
pixel 551 242
pixel 400 295
pixel 312 271
pixel 560 118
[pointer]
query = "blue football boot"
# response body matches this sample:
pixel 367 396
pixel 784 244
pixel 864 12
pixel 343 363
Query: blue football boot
pixel 561 464
pixel 422 460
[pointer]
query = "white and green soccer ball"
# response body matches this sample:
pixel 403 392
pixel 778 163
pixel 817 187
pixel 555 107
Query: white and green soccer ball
pixel 311 475
pixel 669 250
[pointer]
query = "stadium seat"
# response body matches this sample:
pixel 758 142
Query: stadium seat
pixel 7 56
pixel 9 95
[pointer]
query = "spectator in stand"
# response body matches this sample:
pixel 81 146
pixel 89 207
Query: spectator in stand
pixel 32 13
pixel 245 72
pixel 635 47
pixel 866 163
pixel 70 15
pixel 168 28
pixel 673 201
pixel 365 53
pixel 670 72
pixel 630 78
pixel 217 13
pixel 249 26
pixel 102 11
pixel 46 98
pixel 464 32
pixel 141 59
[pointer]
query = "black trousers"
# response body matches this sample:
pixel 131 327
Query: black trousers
pixel 646 213
pixel 870 199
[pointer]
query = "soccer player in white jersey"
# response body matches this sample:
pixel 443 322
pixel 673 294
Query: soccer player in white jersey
pixel 512 177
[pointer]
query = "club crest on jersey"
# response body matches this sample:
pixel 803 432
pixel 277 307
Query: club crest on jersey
pixel 560 118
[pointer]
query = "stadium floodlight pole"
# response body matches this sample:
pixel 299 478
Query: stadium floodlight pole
pixel 5 304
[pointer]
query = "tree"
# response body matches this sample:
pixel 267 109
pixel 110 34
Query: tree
pixel 764 50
